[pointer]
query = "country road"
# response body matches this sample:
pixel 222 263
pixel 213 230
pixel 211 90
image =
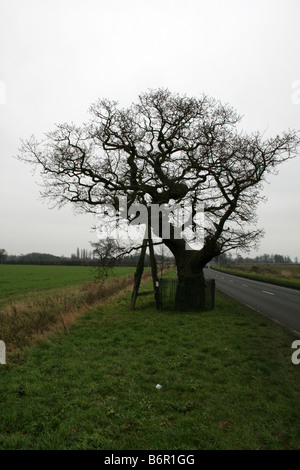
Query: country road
pixel 281 304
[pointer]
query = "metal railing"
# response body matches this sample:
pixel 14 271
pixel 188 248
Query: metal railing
pixel 167 294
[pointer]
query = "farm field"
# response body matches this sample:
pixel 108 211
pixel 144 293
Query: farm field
pixel 17 281
pixel 38 299
pixel 282 275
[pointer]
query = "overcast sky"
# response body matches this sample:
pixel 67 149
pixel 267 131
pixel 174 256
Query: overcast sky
pixel 59 56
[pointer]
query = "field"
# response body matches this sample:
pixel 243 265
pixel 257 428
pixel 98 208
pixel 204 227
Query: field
pixel 17 281
pixel 226 375
pixel 38 299
pixel 282 275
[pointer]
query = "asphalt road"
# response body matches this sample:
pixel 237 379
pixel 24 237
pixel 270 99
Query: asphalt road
pixel 280 304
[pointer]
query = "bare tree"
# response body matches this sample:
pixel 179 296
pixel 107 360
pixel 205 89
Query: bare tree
pixel 107 252
pixel 3 255
pixel 167 148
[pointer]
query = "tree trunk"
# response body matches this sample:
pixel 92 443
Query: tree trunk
pixel 190 293
pixel 191 287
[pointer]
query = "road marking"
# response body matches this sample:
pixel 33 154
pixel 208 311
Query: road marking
pixel 245 285
pixel 266 292
pixel 230 280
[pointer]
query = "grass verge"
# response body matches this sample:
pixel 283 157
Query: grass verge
pixel 226 375
pixel 25 320
pixel 275 278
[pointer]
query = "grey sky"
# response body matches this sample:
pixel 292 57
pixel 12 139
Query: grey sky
pixel 59 56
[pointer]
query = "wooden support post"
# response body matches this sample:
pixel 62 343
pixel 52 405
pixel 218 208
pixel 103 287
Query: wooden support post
pixel 140 269
pixel 153 267
pixel 138 274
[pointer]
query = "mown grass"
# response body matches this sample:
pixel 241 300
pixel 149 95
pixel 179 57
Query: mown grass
pixel 226 375
pixel 280 275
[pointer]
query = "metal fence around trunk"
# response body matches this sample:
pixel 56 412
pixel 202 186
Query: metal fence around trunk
pixel 167 294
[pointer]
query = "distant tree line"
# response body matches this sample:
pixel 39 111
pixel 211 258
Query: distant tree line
pixel 260 259
pixel 82 257
pixel 3 255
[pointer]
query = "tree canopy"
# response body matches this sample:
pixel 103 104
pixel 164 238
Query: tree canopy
pixel 166 148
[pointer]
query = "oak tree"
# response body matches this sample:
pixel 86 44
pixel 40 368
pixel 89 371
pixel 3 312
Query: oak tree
pixel 163 149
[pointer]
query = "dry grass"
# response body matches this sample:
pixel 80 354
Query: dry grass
pixel 281 275
pixel 290 272
pixel 23 322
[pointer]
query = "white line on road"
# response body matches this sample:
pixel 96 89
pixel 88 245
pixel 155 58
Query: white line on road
pixel 245 285
pixel 266 292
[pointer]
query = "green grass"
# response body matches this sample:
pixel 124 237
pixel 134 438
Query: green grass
pixel 17 281
pixel 23 318
pixel 280 275
pixel 227 382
